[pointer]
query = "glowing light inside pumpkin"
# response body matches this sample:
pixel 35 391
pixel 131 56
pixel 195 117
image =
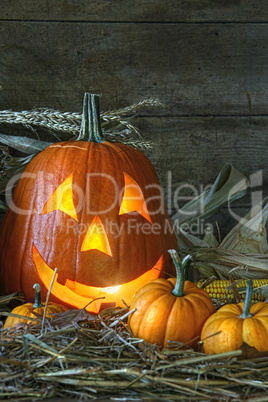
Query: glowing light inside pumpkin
pixel 96 238
pixel 133 199
pixel 111 289
pixel 79 295
pixel 62 199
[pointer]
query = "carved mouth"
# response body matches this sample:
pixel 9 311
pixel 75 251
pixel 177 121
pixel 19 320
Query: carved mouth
pixel 79 295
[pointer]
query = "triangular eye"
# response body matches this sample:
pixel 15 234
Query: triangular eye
pixel 133 199
pixel 62 199
pixel 96 238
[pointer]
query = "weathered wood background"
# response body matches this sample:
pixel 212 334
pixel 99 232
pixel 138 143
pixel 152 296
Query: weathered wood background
pixel 206 61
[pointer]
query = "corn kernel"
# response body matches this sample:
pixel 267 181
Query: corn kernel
pixel 217 289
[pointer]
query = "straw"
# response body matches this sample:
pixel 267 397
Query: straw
pixel 100 358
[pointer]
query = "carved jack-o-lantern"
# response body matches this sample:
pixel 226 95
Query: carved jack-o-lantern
pixel 94 210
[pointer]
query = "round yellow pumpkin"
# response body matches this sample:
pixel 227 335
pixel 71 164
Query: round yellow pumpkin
pixel 234 324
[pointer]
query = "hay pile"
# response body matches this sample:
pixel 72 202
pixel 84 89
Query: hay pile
pixel 83 357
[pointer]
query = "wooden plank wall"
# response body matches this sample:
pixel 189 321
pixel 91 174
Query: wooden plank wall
pixel 206 61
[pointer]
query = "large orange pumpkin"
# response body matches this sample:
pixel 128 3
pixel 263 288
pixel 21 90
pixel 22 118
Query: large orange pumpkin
pixel 94 210
pixel 170 310
pixel 233 324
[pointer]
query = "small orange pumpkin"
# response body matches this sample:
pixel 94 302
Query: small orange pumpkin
pixel 170 310
pixel 33 309
pixel 234 324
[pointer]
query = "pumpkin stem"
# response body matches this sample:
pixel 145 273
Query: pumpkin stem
pixel 246 310
pixel 179 286
pixel 91 123
pixel 37 298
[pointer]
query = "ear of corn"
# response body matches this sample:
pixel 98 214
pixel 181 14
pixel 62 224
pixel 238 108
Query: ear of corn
pixel 223 289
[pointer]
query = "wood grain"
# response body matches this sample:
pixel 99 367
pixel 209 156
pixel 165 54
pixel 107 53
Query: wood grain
pixel 193 150
pixel 199 69
pixel 216 138
pixel 135 11
pixel 206 61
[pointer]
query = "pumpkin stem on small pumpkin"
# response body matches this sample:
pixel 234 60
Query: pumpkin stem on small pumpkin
pixel 246 310
pixel 179 286
pixel 91 123
pixel 37 298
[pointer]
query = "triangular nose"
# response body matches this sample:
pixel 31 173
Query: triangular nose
pixel 96 238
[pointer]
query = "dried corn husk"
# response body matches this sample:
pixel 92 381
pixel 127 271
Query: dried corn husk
pixel 210 239
pixel 24 144
pixel 249 235
pixel 243 252
pixel 262 290
pixel 229 185
pixel 222 262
